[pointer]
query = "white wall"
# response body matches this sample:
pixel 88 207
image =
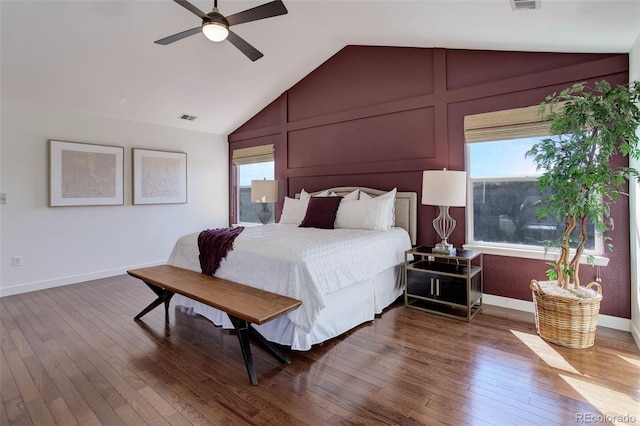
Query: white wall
pixel 634 189
pixel 63 245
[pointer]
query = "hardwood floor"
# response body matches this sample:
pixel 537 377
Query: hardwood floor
pixel 74 355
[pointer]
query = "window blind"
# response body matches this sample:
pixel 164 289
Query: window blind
pixel 253 154
pixel 515 123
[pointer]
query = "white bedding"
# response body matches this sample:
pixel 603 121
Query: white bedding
pixel 308 264
pixel 304 263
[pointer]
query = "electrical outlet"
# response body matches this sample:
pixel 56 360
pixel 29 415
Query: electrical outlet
pixel 16 261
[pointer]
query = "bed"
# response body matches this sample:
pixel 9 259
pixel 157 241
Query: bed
pixel 344 276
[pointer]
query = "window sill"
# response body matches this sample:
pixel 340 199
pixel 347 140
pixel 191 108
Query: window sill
pixel 527 253
pixel 246 224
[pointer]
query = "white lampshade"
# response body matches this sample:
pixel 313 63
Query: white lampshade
pixel 444 188
pixel 215 31
pixel 264 191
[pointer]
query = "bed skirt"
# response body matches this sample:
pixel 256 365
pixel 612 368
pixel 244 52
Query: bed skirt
pixel 344 310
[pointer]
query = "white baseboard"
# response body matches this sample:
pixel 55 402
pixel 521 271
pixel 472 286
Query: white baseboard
pixel 608 321
pixel 74 279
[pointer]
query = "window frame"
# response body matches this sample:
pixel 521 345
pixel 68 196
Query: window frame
pixel 244 156
pixel 508 125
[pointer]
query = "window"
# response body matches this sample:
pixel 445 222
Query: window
pixel 505 196
pixel 254 163
pixel 247 210
pixel 503 186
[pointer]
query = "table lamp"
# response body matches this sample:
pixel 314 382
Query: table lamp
pixel 264 191
pixel 444 188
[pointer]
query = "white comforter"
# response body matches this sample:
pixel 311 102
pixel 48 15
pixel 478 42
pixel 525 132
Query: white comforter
pixel 304 263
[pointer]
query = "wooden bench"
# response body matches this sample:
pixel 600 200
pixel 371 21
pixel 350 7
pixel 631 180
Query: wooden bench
pixel 245 305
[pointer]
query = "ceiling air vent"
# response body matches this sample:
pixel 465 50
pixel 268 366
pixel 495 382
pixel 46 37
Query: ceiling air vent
pixel 187 117
pixel 525 4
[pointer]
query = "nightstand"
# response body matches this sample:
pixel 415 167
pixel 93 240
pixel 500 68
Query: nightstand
pixel 443 284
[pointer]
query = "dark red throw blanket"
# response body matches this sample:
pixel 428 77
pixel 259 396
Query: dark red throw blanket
pixel 214 244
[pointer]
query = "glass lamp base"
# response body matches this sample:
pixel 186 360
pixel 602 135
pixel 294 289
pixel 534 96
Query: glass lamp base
pixel 445 248
pixel 264 215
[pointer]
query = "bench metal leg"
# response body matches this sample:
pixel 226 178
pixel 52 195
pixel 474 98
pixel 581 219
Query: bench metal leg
pixel 164 296
pixel 242 327
pixel 246 331
pixel 267 345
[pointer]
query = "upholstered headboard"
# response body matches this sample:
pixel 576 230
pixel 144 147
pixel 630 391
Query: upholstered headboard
pixel 406 208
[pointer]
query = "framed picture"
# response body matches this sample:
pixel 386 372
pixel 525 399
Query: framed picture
pixel 159 177
pixel 82 174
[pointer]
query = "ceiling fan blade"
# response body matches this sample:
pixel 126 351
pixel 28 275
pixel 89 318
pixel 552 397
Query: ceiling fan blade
pixel 179 36
pixel 250 51
pixel 267 10
pixel 191 8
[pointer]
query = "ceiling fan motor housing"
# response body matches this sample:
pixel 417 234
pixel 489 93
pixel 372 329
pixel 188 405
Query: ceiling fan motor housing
pixel 216 16
pixel 215 27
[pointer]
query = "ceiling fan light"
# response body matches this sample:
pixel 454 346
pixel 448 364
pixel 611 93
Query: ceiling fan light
pixel 215 31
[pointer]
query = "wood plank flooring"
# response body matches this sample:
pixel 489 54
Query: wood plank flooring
pixel 73 355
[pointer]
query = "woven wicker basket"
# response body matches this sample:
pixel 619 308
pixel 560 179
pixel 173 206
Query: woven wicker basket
pixel 566 321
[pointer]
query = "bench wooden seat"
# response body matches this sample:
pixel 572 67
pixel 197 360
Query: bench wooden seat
pixel 243 304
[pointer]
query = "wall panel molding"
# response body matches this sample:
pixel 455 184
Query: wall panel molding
pixel 359 119
pixel 561 77
pixel 365 168
pixel 258 133
pixel 403 135
pixel 364 112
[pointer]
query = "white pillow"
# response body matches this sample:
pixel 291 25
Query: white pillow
pixel 374 213
pixel 390 194
pixel 304 195
pixel 294 210
pixel 324 193
pixel 352 196
pixel 365 196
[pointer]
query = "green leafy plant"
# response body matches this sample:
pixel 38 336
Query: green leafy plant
pixel 588 127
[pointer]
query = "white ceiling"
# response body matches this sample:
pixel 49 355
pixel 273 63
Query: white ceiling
pixel 99 56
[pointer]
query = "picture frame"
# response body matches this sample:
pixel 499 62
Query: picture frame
pixel 159 177
pixel 83 174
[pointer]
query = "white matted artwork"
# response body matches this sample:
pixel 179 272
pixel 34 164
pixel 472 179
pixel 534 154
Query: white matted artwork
pixel 159 177
pixel 82 174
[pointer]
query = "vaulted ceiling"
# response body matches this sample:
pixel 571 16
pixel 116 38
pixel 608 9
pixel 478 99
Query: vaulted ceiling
pixel 99 56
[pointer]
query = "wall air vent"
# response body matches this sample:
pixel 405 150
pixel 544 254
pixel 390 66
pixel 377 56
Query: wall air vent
pixel 187 117
pixel 525 4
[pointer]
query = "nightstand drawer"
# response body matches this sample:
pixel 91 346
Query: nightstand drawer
pixel 437 287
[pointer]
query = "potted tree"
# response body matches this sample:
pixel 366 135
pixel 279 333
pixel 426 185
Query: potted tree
pixel 588 127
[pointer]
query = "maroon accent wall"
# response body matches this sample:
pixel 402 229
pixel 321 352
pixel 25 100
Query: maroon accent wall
pixel 379 116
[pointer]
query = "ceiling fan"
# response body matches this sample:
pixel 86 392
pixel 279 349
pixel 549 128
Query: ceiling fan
pixel 215 26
